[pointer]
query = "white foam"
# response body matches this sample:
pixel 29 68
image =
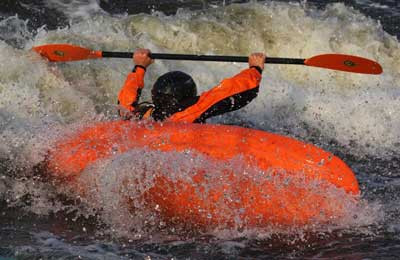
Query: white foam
pixel 76 9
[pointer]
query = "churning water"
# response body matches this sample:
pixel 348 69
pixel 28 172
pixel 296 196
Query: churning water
pixel 354 116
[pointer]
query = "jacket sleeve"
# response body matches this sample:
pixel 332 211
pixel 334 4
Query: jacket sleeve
pixel 231 94
pixel 130 92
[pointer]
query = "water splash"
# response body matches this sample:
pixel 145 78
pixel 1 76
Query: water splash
pixel 118 189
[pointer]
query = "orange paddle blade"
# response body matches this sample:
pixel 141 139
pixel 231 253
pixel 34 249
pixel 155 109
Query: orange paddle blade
pixel 66 52
pixel 344 63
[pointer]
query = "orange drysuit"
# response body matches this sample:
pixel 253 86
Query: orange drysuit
pixel 231 94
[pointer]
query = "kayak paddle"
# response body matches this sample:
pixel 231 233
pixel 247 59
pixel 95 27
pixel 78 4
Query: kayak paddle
pixel 342 62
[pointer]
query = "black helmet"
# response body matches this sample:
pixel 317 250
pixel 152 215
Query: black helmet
pixel 172 88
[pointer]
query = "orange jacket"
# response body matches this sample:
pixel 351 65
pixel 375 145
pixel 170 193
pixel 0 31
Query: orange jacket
pixel 130 92
pixel 231 94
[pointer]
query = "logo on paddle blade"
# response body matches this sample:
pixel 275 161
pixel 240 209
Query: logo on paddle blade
pixel 59 53
pixel 349 63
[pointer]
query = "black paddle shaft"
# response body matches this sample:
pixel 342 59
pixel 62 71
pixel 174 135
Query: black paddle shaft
pixel 165 56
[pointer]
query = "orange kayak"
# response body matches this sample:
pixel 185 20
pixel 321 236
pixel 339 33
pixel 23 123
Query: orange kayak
pixel 289 185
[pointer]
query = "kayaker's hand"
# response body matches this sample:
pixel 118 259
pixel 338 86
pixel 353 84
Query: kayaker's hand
pixel 141 57
pixel 257 59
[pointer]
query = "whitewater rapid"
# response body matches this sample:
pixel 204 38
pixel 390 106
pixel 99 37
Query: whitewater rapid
pixel 39 100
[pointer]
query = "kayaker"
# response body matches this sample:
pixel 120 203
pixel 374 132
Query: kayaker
pixel 174 94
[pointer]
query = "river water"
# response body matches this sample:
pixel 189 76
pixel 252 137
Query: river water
pixel 354 116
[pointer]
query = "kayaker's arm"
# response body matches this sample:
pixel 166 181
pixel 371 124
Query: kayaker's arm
pixel 232 94
pixel 129 94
